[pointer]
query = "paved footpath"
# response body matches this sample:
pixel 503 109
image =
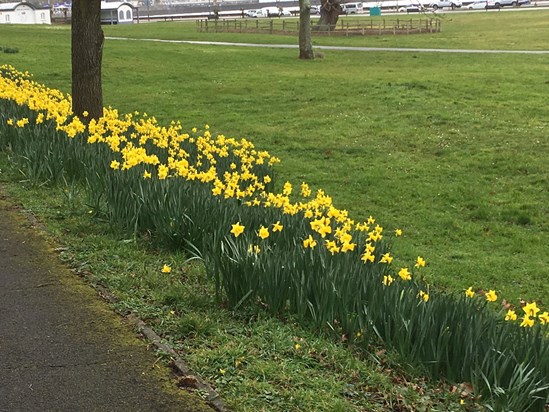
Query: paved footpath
pixel 61 347
pixel 341 48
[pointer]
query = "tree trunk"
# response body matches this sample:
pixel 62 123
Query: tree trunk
pixel 86 55
pixel 329 15
pixel 305 43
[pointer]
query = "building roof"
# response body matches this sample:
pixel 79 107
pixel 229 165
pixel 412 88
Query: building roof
pixel 12 6
pixel 114 5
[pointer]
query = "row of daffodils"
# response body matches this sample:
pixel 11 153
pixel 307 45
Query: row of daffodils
pixel 292 251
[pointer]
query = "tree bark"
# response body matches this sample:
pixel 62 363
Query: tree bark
pixel 305 43
pixel 329 15
pixel 86 55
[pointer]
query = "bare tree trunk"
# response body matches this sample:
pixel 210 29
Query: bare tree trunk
pixel 305 43
pixel 86 55
pixel 329 15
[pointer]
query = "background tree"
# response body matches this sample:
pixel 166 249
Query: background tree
pixel 329 15
pixel 86 55
pixel 305 43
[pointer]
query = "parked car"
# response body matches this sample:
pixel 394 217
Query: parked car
pixel 411 8
pixel 477 5
pixel 315 9
pixel 514 3
pixel 268 12
pixel 484 5
pixel 250 13
pixel 439 4
pixel 352 8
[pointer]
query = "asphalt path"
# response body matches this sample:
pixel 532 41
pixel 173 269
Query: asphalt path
pixel 61 347
pixel 341 48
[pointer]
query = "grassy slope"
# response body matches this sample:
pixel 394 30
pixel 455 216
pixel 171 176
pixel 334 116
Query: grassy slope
pixel 451 147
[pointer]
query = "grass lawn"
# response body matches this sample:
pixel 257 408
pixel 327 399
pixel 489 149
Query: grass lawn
pixel 452 148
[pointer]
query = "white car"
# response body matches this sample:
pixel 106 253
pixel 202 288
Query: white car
pixel 411 8
pixel 439 4
pixel 352 8
pixel 477 5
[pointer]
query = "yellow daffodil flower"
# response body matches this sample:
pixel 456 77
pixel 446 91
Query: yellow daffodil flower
pixel 491 296
pixel 347 247
pixel 420 262
pixel 166 269
pixel 386 258
pixel 237 229
pixel 511 315
pixel 309 242
pixel 527 321
pixel 332 247
pixel 469 292
pixel 531 309
pixel 263 232
pixel 405 274
pixel 277 227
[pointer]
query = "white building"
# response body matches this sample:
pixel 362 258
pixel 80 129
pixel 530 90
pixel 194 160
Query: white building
pixel 116 12
pixel 24 13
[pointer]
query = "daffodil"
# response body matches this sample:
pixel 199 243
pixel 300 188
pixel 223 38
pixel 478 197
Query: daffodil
pixel 387 280
pixel 527 321
pixel 511 315
pixel 423 295
pixel 469 292
pixel 386 258
pixel 531 309
pixel 287 190
pixel 420 262
pixel 254 249
pixel 162 172
pixel 332 246
pixel 491 296
pixel 398 232
pixel 347 247
pixel 277 227
pixel 544 318
pixel 237 229
pixel 263 232
pixel 305 190
pixel 405 274
pixel 166 269
pixel 309 242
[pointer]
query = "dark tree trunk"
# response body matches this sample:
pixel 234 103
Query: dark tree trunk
pixel 305 43
pixel 329 15
pixel 86 55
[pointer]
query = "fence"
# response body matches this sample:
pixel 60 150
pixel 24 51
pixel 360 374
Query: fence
pixel 345 27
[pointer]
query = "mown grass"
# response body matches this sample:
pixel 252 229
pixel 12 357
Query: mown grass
pixel 451 147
